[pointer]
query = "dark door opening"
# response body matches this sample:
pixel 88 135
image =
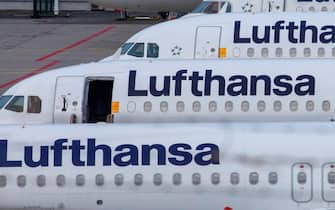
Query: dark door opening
pixel 99 101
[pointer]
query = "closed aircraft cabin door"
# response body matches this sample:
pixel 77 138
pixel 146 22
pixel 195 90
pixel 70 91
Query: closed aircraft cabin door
pixel 207 42
pixel 273 5
pixel 69 99
pixel 302 182
pixel 328 182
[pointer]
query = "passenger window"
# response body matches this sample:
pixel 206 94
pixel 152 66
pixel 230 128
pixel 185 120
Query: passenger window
pixel 196 107
pixel 21 181
pixel 16 104
pixel 99 180
pixel 41 180
pixel 273 178
pixel 212 106
pixel 137 50
pixel 253 178
pixel 158 179
pixel 177 179
pixel 331 177
pixel 3 181
pixel 302 178
pixel 180 106
pixel 138 179
pixel 118 179
pixel 153 50
pixel 196 179
pixel 215 178
pixel 235 178
pixel 147 106
pixel 60 180
pixel 125 47
pixel 326 106
pixel 80 180
pixel 34 104
pixel 4 100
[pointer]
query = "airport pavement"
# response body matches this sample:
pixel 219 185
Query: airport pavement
pixel 29 46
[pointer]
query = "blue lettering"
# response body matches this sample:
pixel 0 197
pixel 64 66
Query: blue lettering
pixel 76 150
pixel 183 157
pixel 296 33
pixel 44 157
pixel 284 87
pixel 4 162
pixel 307 87
pixel 237 36
pixel 212 156
pixel 91 153
pixel 146 154
pixel 127 158
pixel 131 86
pixel 235 85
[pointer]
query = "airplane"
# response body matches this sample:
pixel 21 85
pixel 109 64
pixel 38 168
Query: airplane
pixel 175 91
pixel 255 6
pixel 163 7
pixel 220 36
pixel 168 166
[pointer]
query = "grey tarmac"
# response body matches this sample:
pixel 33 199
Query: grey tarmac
pixel 28 46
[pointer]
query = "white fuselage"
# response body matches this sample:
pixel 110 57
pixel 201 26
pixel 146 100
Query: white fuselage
pixel 257 6
pixel 175 91
pixel 149 5
pixel 168 166
pixel 235 36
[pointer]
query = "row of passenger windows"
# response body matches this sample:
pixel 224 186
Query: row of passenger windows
pixel 244 106
pixel 313 9
pixel 16 104
pixel 138 49
pixel 157 179
pixel 292 52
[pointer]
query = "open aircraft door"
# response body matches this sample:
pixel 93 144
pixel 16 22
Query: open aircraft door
pixel 69 99
pixel 207 42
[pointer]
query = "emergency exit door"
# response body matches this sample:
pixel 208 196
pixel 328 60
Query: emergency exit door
pixel 328 182
pixel 302 182
pixel 207 42
pixel 69 99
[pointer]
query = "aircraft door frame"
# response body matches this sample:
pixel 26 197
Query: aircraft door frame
pixel 302 182
pixel 274 6
pixel 86 98
pixel 68 101
pixel 328 182
pixel 207 42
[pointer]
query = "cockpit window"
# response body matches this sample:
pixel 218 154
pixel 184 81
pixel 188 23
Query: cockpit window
pixel 16 104
pixel 34 104
pixel 201 7
pixel 4 100
pixel 137 50
pixel 125 47
pixel 153 50
pixel 210 7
